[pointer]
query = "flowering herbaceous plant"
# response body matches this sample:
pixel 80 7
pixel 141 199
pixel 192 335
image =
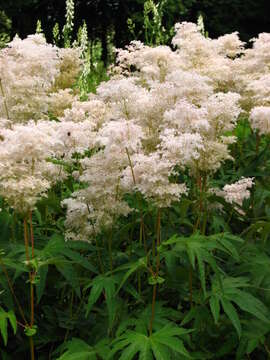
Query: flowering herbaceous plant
pixel 144 209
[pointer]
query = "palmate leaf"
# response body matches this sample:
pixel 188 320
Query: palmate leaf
pixel 254 334
pixel 200 251
pixel 70 275
pixel 199 315
pixel 227 292
pixel 59 253
pixel 77 349
pixel 139 321
pixel 103 285
pixel 256 263
pixel 163 316
pixel 58 246
pixel 163 344
pixel 130 269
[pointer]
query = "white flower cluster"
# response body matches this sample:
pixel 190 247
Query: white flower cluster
pixel 158 112
pixel 163 111
pixel 25 171
pixel 239 191
pixel 30 70
pixel 260 119
pixel 252 70
pixel 235 193
pixel 69 14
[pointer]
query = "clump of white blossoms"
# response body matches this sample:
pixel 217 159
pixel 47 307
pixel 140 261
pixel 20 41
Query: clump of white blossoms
pixel 212 58
pixel 162 110
pixel 239 191
pixel 260 119
pixel 233 194
pixel 26 172
pixel 30 70
pixel 253 81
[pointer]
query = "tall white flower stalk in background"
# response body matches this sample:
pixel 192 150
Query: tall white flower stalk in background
pixel 85 56
pixel 68 27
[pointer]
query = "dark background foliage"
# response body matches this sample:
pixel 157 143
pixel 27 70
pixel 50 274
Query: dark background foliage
pixel 104 17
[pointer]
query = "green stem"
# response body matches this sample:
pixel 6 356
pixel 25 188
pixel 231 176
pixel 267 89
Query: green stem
pixel 153 309
pixel 139 282
pixel 158 240
pixel 33 273
pixel 110 250
pixel 158 237
pixel 99 256
pixel 26 242
pixel 204 205
pixel 32 347
pixel 258 140
pixel 142 227
pixel 190 287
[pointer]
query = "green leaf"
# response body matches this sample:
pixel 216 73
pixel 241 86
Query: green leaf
pixel 77 349
pixel 168 336
pixel 191 255
pixel 129 352
pixel 251 346
pixel 230 311
pixel 4 317
pixel 201 271
pixel 94 295
pixel 80 355
pixel 252 305
pixel 141 263
pixel 12 319
pixel 70 275
pixel 79 259
pixel 3 326
pixel 215 307
pixel 40 286
pixel 163 344
pixel 153 280
pixel 161 352
pixel 58 246
pixel 30 331
pixel 99 284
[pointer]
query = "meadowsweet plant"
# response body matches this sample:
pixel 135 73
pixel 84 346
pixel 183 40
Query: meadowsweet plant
pixel 144 209
pixel 164 140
